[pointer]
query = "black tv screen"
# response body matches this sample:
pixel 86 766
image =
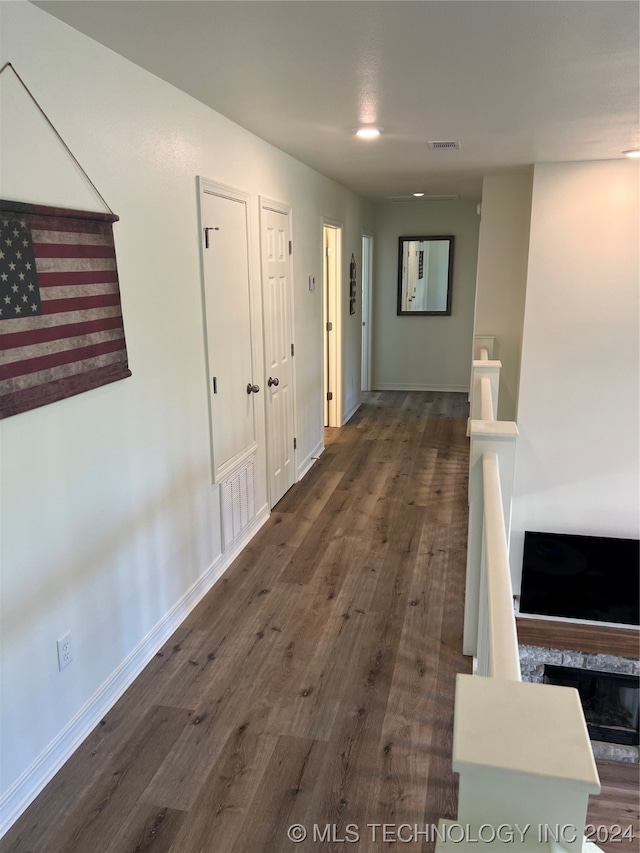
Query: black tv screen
pixel 581 577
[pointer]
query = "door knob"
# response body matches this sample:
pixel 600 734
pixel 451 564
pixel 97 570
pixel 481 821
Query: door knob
pixel 252 389
pixel 271 382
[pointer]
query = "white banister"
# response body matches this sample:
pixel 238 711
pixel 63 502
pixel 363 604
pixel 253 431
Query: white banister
pixel 482 351
pixel 502 660
pixel 522 750
pixel 486 399
pixel 481 370
pixel 497 437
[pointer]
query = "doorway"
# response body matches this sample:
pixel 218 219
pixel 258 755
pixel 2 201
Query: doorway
pixel 367 266
pixel 279 349
pixel 332 350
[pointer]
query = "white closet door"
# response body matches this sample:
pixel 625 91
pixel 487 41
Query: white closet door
pixel 278 327
pixel 225 258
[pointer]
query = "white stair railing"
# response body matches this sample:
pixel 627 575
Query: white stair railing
pixel 497 439
pixel 486 400
pixel 521 750
pixel 483 370
pixel 500 657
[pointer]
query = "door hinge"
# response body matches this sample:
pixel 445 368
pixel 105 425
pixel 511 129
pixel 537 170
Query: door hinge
pixel 329 327
pixel 295 443
pixel 291 247
pixel 215 384
pixel 293 350
pixel 329 395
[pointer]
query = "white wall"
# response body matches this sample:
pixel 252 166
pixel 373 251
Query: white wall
pixel 109 520
pixel 577 459
pixel 423 353
pixel 351 325
pixel 502 276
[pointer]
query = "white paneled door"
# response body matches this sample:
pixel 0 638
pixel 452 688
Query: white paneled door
pixel 227 291
pixel 279 347
pixel 367 257
pixel 332 316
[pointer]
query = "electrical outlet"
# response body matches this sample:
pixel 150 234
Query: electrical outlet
pixel 65 651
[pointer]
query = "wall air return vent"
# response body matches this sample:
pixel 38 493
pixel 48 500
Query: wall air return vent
pixel 237 494
pixel 444 146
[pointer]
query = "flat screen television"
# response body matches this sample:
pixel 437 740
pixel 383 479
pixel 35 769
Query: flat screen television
pixel 593 578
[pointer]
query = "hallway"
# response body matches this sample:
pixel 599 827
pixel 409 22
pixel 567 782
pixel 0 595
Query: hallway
pixel 314 683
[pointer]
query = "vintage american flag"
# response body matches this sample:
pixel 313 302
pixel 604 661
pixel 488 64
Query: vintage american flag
pixel 61 329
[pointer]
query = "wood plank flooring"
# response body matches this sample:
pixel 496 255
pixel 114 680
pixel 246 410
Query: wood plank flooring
pixel 314 683
pixel 617 806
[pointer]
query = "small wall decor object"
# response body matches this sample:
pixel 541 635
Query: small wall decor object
pixel 61 329
pixel 352 285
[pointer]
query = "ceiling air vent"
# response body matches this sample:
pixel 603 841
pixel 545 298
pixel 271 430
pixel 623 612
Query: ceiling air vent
pixel 439 146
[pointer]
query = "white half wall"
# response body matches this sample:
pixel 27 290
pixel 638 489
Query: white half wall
pixel 577 461
pixel 502 277
pixel 423 353
pixel 109 519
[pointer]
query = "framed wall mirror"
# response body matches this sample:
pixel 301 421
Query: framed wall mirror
pixel 425 275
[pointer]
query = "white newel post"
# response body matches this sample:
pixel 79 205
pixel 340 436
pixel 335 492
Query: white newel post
pixel 486 342
pixel 524 758
pixel 497 437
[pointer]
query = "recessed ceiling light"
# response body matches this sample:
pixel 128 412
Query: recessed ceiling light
pixel 418 195
pixel 403 198
pixel 368 132
pixel 634 152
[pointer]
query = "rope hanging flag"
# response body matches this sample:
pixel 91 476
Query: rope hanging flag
pixel 61 328
pixel 9 66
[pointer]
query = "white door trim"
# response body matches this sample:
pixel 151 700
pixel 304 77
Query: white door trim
pixel 266 203
pixel 332 312
pixel 367 312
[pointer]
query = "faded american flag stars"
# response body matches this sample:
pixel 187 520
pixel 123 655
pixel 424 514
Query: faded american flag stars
pixel 61 328
pixel 19 291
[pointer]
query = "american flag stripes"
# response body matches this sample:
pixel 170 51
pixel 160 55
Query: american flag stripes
pixel 61 329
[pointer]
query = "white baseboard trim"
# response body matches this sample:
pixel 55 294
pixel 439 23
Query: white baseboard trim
pixel 306 464
pixel 351 412
pixel 407 386
pixel 24 791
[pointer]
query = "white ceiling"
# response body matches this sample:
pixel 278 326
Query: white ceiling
pixel 516 82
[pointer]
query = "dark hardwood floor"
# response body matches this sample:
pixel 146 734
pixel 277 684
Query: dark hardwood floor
pixel 314 683
pixel 617 806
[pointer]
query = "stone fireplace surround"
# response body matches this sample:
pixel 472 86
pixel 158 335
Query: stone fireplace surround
pixel 532 663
